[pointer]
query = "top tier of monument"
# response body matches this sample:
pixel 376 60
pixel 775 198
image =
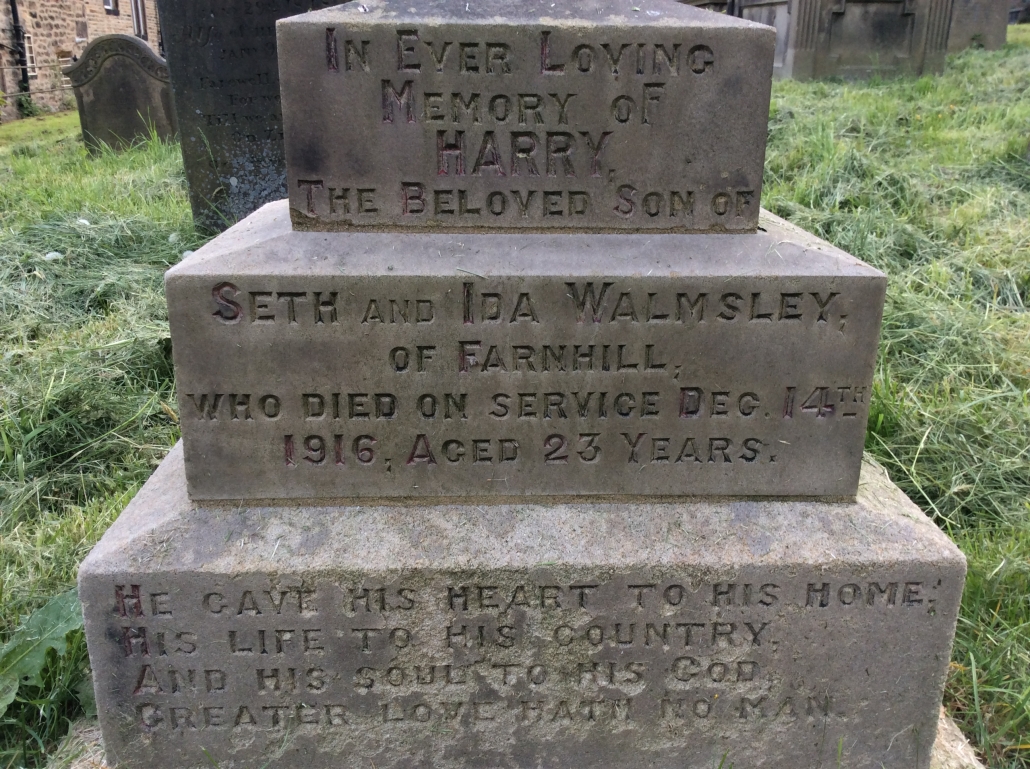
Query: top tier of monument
pixel 589 115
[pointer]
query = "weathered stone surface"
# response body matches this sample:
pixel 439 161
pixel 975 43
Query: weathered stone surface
pixel 121 88
pixel 225 77
pixel 854 38
pixel 979 23
pixel 433 365
pixel 590 115
pixel 764 634
pixel 951 750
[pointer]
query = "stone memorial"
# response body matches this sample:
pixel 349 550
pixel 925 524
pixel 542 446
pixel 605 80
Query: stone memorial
pixel 977 23
pixel 122 91
pixel 521 495
pixel 224 73
pixel 854 39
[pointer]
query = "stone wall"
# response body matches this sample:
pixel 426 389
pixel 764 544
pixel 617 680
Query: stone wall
pixel 60 30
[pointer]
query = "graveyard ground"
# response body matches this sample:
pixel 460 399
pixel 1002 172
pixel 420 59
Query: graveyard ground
pixel 926 179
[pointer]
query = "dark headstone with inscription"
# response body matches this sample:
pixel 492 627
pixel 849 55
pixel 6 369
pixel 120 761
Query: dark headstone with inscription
pixel 978 24
pixel 421 365
pixel 455 496
pixel 224 73
pixel 121 88
pixel 597 635
pixel 593 116
pixel 854 39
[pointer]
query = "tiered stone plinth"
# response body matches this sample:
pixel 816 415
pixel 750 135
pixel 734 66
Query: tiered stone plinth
pixel 518 437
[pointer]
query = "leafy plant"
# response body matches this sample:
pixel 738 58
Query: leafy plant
pixel 27 107
pixel 24 657
pixel 85 379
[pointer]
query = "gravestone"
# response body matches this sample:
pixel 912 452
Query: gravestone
pixel 526 494
pixel 977 23
pixel 122 91
pixel 224 73
pixel 854 39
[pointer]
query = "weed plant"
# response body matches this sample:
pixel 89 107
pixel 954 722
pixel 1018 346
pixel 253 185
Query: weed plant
pixel 926 179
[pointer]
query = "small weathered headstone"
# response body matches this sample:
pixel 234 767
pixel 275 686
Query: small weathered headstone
pixel 593 116
pixel 225 76
pixel 122 91
pixel 854 38
pixel 977 24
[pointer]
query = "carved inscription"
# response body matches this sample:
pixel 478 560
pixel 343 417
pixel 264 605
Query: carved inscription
pixel 541 657
pixel 552 386
pixel 523 126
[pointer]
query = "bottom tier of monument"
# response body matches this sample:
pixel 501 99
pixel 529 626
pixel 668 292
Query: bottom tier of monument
pixel 744 634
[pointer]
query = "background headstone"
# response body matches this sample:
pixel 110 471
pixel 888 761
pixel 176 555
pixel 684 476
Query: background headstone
pixel 980 23
pixel 122 91
pixel 225 77
pixel 719 6
pixel 854 39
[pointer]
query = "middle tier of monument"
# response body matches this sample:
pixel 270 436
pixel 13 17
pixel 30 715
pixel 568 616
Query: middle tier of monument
pixel 586 115
pixel 375 365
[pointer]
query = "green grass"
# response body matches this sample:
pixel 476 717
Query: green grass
pixel 42 131
pixel 86 374
pixel 927 179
